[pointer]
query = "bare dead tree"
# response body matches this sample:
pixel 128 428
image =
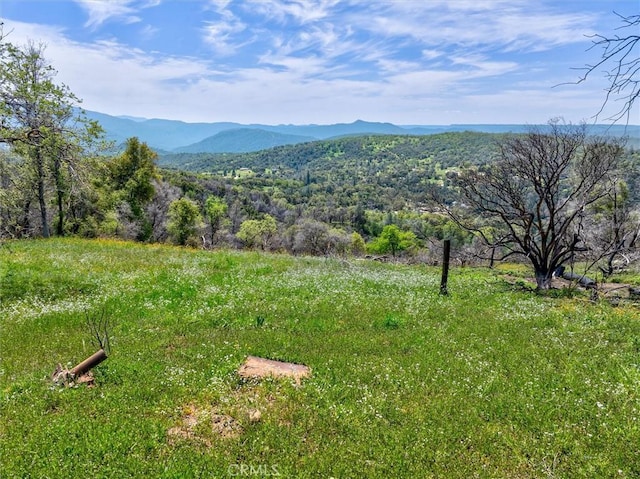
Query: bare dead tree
pixel 615 230
pixel 620 61
pixel 536 193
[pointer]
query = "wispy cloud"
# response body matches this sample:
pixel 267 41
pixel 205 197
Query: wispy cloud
pixel 330 32
pixel 99 11
pixel 107 72
pixel 299 11
pixel 499 23
pixel 124 11
pixel 223 34
pixel 148 32
pixel 301 61
pixel 220 35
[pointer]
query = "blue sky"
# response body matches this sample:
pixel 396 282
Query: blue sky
pixel 325 61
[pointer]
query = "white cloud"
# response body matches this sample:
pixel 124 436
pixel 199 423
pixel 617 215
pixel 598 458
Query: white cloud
pixel 378 32
pixel 219 5
pixel 148 32
pixel 391 61
pixel 540 105
pixel 481 66
pixel 300 11
pixel 108 75
pixel 500 23
pixel 431 54
pixel 220 35
pixel 99 11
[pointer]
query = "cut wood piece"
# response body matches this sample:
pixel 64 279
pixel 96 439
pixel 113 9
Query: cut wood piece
pixel 255 367
pixel 89 363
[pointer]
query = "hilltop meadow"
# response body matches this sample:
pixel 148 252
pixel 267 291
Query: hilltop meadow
pixel 175 253
pixel 492 380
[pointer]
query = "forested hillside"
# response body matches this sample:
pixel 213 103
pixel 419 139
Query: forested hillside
pixel 385 172
pixel 322 197
pixel 366 155
pixel 357 184
pixel 396 195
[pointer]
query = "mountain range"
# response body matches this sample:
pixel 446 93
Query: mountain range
pixel 173 136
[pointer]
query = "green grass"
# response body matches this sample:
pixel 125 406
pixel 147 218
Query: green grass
pixel 490 381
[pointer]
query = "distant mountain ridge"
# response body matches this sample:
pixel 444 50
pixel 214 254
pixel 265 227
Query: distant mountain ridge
pixel 228 137
pixel 242 140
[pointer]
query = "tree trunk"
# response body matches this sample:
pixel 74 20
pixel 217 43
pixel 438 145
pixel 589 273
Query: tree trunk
pixel 543 279
pixel 41 195
pixel 60 226
pixel 5 212
pixel 214 229
pixel 60 197
pixel 25 224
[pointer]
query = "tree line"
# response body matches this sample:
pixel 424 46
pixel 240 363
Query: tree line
pixel 550 196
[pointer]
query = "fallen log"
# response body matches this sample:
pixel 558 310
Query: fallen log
pixel 581 279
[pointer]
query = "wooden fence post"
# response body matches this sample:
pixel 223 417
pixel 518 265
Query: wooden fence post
pixel 445 267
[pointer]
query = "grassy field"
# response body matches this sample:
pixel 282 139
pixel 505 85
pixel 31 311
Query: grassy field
pixel 490 381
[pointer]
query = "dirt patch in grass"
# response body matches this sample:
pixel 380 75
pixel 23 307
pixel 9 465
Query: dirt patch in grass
pixel 204 426
pixel 225 426
pixel 257 368
pixel 617 289
pixel 228 417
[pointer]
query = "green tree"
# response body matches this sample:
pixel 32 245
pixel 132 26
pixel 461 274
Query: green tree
pixel 359 219
pixel 358 245
pixel 258 232
pixel 393 240
pixel 73 167
pixel 184 220
pixel 133 173
pixel 39 122
pixel 131 179
pixel 16 197
pixel 215 209
pixel 440 226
